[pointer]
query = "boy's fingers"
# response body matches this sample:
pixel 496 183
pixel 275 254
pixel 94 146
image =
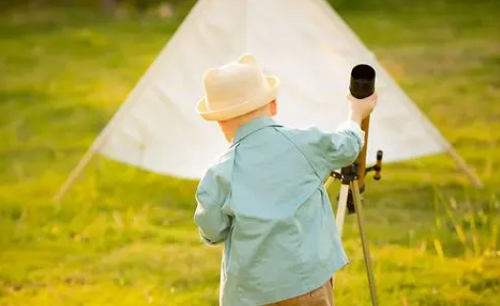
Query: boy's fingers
pixel 374 96
pixel 374 99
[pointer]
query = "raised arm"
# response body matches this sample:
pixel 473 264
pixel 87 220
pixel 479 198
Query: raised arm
pixel 330 151
pixel 343 147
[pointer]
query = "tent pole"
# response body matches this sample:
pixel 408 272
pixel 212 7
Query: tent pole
pixel 75 173
pixel 459 161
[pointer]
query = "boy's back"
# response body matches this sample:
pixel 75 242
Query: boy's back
pixel 265 200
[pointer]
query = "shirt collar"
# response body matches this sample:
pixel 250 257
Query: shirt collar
pixel 252 127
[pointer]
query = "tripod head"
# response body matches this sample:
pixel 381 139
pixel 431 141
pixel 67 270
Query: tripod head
pixel 352 172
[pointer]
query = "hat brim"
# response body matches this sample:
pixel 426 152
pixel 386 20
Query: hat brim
pixel 241 108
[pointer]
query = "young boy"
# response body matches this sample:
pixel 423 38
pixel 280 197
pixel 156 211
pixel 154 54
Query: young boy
pixel 264 198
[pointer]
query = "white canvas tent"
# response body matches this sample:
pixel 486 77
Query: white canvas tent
pixel 303 42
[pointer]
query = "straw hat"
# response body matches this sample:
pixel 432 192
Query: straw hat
pixel 236 89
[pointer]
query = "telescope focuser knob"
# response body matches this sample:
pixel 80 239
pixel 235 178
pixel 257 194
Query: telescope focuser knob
pixel 378 165
pixel 377 168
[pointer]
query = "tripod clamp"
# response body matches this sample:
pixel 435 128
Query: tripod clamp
pixel 350 173
pixel 377 167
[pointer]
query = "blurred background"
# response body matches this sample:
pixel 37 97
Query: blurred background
pixel 123 236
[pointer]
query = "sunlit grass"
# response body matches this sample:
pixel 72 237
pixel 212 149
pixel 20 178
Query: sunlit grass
pixel 123 236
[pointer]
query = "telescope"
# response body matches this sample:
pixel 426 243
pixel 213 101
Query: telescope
pixel 362 85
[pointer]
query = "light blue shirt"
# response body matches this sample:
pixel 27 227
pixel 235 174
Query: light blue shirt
pixel 265 200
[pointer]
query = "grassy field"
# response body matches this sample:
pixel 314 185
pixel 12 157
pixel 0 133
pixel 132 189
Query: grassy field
pixel 126 237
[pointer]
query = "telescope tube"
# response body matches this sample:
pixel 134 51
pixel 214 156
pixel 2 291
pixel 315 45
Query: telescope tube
pixel 362 85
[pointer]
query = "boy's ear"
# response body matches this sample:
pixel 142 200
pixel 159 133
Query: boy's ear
pixel 274 107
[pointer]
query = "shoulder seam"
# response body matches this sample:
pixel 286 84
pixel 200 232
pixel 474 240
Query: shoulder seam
pixel 301 152
pixel 209 195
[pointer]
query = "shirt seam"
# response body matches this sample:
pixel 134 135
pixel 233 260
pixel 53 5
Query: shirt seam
pixel 301 152
pixel 357 132
pixel 209 195
pixel 240 139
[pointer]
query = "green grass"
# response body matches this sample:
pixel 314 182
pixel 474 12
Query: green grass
pixel 123 236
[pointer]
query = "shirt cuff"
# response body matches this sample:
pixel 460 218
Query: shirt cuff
pixel 352 126
pixel 206 240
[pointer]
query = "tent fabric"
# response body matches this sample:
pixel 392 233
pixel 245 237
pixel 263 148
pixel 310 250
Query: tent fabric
pixel 303 42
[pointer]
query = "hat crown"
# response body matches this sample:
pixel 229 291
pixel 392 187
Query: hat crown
pixel 233 83
pixel 236 89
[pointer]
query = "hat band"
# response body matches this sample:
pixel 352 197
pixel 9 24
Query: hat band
pixel 230 104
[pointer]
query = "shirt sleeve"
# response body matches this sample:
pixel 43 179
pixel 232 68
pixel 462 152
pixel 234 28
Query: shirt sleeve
pixel 338 149
pixel 213 223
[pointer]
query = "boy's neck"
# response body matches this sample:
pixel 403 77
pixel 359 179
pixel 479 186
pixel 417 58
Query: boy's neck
pixel 231 127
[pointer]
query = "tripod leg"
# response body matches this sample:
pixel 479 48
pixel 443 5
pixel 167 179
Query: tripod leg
pixel 344 193
pixel 366 250
pixel 340 216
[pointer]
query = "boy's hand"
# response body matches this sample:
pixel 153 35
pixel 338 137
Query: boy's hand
pixel 359 109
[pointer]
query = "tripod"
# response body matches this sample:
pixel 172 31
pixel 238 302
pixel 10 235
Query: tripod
pixel 350 198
